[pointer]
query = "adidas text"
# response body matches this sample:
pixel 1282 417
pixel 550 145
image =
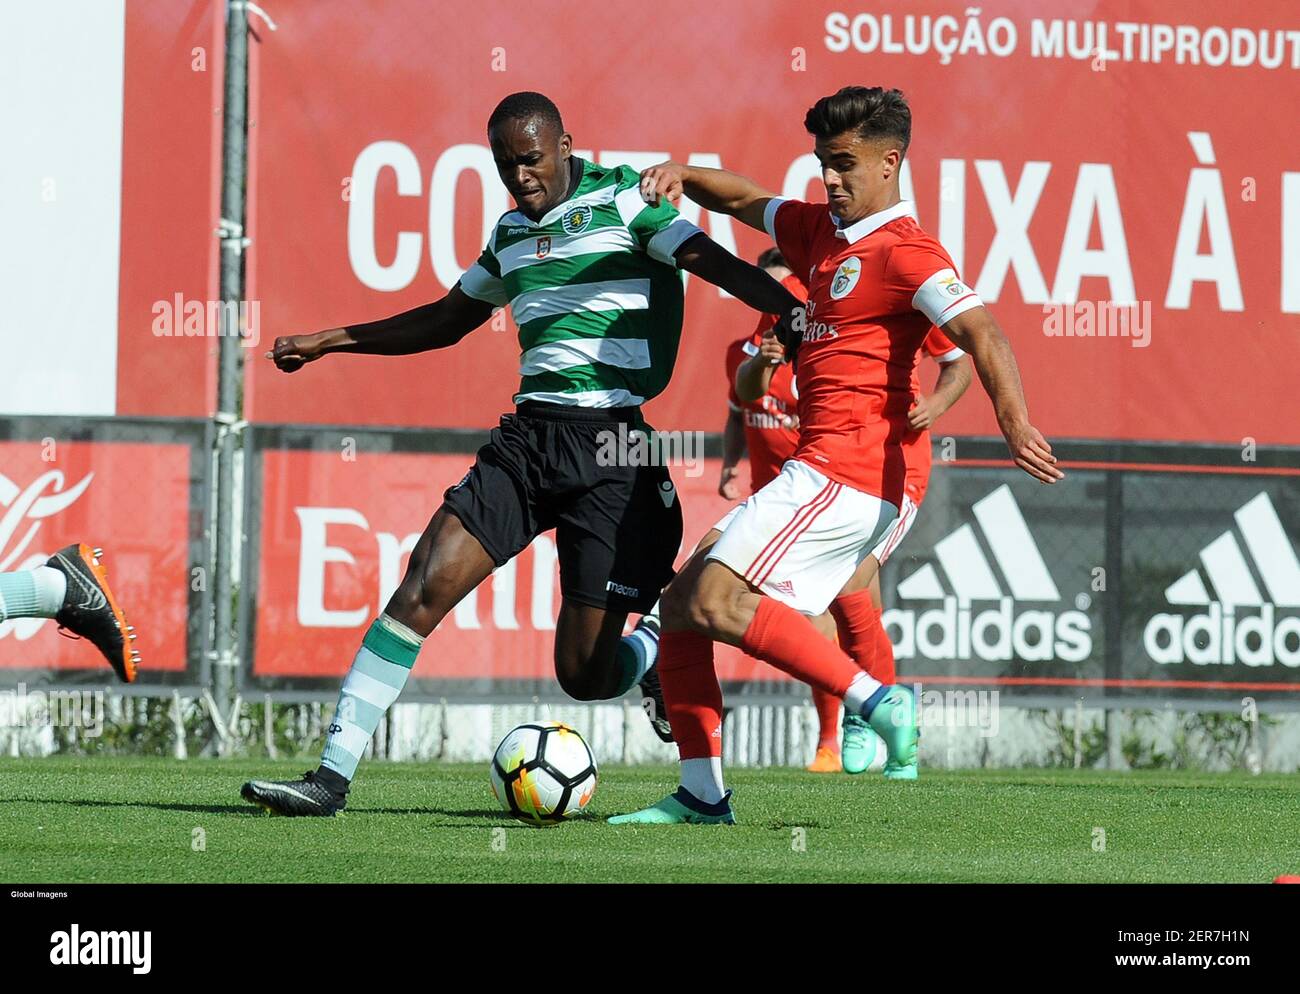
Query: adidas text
pixel 995 635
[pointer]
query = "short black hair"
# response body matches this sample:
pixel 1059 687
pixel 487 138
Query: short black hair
pixel 872 111
pixel 771 258
pixel 524 105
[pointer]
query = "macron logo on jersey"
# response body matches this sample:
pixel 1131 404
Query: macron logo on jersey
pixel 1217 634
pixel 1001 633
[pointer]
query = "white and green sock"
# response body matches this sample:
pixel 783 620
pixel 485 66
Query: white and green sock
pixel 378 674
pixel 637 652
pixel 33 593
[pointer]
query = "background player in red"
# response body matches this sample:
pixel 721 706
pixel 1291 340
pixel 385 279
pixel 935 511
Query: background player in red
pixel 877 283
pixel 767 410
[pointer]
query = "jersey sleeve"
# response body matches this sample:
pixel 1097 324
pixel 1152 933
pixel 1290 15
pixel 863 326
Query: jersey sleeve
pixel 940 348
pixel 791 224
pixel 920 269
pixel 482 281
pixel 658 231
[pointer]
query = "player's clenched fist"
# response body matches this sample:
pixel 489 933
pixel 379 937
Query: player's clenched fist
pixel 291 352
pixel 663 180
pixel 772 350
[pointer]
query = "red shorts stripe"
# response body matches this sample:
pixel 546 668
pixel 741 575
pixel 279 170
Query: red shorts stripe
pixel 794 536
pixel 793 521
pixel 900 527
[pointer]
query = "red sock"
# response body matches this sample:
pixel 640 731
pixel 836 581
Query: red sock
pixel 862 635
pixel 692 694
pixel 828 718
pixel 782 636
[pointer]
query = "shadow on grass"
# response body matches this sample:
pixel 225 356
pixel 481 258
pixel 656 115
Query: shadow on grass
pixel 76 803
pixel 494 815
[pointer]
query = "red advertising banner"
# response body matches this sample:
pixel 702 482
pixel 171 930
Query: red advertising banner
pixel 336 534
pixel 171 208
pixel 1093 174
pixel 130 498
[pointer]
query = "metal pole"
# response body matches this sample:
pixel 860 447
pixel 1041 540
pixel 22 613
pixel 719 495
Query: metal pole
pixel 227 546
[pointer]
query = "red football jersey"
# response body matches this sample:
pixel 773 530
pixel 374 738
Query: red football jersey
pixel 875 288
pixel 767 439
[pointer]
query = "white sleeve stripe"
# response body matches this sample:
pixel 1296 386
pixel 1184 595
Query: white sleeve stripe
pixel 478 283
pixel 630 204
pixel 734 407
pixel 769 216
pixel 951 356
pixel 668 240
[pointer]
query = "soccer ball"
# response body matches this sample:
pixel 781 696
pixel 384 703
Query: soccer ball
pixel 543 773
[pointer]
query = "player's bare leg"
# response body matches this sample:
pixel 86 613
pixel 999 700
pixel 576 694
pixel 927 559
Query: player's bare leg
pixel 446 564
pixel 586 638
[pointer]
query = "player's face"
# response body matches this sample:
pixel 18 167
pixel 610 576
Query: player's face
pixel 532 157
pixel 860 175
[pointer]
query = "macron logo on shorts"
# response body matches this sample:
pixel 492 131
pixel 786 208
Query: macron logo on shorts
pixel 618 588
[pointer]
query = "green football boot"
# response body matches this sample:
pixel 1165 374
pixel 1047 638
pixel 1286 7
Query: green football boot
pixel 858 744
pixel 894 720
pixel 681 808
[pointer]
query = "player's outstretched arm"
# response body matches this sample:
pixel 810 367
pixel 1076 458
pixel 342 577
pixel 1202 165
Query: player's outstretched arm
pixel 713 189
pixel 430 326
pixel 708 260
pixel 975 331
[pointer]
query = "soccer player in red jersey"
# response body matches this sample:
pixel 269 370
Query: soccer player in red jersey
pixel 877 283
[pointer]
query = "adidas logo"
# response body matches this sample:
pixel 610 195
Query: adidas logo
pixel 1217 634
pixel 955 630
pixel 785 586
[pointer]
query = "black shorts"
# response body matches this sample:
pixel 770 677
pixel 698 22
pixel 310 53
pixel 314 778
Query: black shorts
pixel 617 527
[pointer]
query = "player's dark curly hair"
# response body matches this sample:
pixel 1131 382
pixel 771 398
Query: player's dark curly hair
pixel 771 258
pixel 872 111
pixel 523 105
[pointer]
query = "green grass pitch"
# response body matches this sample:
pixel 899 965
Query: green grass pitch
pixel 66 820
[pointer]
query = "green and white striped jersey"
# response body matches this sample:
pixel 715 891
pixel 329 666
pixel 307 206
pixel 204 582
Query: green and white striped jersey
pixel 594 289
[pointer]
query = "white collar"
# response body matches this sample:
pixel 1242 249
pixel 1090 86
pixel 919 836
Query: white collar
pixel 859 230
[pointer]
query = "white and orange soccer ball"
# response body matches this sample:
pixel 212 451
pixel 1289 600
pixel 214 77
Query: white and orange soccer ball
pixel 543 772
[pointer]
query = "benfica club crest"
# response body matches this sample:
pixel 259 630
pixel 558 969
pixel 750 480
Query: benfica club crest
pixel 543 246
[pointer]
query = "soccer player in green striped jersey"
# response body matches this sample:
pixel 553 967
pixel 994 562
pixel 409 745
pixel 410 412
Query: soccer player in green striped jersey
pixel 591 273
